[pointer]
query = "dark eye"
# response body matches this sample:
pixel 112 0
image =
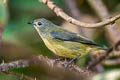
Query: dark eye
pixel 39 23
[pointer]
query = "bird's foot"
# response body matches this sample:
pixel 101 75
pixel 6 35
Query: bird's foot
pixel 71 61
pixel 67 64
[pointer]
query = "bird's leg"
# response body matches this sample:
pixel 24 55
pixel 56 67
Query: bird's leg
pixel 72 60
pixel 59 59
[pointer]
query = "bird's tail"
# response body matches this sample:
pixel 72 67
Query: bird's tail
pixel 103 48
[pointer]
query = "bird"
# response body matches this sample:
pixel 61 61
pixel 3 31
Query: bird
pixel 62 42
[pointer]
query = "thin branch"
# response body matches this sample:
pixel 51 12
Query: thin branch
pixel 74 12
pixel 115 54
pixel 14 64
pixel 111 62
pixel 98 53
pixel 66 17
pixel 100 59
pixel 104 56
pixel 111 31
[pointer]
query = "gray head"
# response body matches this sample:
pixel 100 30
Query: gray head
pixel 41 22
pixel 42 25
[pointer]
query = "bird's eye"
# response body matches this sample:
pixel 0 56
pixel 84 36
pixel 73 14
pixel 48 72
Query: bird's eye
pixel 39 23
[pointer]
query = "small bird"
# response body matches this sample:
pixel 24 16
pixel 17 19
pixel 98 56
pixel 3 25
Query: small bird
pixel 62 42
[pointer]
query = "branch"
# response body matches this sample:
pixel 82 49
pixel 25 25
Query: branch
pixel 111 62
pixel 104 56
pixel 98 53
pixel 79 15
pixel 41 60
pixel 15 64
pixel 115 54
pixel 111 31
pixel 66 17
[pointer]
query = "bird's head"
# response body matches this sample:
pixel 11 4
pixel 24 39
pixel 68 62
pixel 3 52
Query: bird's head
pixel 42 25
pixel 38 23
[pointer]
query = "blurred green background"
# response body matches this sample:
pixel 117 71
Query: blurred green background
pixel 15 16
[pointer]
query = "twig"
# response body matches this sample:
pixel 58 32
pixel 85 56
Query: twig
pixel 103 57
pixel 74 12
pixel 115 54
pixel 99 53
pixel 66 17
pixel 14 64
pixel 111 31
pixel 111 62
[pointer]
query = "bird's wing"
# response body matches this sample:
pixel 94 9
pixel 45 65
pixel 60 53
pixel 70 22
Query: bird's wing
pixel 68 36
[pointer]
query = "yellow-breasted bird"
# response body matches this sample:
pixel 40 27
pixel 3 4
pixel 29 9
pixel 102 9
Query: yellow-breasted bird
pixel 63 42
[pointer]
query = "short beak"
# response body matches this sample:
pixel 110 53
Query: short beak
pixel 32 22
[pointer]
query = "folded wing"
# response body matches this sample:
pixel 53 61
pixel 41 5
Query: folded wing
pixel 68 36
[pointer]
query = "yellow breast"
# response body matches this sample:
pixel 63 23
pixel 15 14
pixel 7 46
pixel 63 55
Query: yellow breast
pixel 66 48
pixel 49 45
pixel 59 49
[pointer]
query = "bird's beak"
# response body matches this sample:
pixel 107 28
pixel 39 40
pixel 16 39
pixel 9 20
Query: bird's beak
pixel 32 22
